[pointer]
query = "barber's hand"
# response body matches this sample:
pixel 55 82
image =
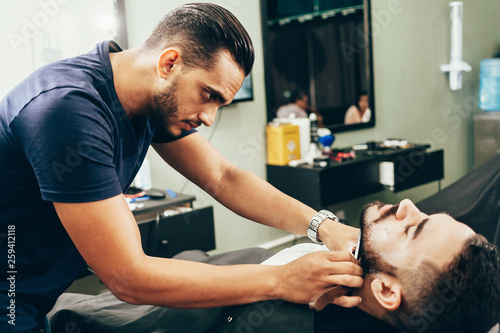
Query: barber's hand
pixel 337 236
pixel 301 279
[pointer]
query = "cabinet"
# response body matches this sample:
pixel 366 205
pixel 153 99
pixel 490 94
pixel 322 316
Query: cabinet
pixel 486 136
pixel 319 187
pixel 165 236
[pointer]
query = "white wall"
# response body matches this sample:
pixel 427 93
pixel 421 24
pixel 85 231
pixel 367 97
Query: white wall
pixel 36 32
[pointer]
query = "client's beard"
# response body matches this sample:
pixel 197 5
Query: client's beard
pixel 370 260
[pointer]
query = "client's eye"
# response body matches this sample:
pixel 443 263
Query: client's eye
pixel 408 228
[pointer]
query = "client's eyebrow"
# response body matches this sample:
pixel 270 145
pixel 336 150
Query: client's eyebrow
pixel 420 226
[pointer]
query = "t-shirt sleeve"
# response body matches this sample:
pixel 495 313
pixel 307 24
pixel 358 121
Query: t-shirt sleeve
pixel 68 137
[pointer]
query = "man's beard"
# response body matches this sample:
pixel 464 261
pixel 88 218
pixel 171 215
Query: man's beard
pixel 370 260
pixel 165 108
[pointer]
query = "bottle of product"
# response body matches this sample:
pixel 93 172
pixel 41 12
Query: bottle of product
pixel 489 85
pixel 314 128
pixel 314 147
pixel 327 141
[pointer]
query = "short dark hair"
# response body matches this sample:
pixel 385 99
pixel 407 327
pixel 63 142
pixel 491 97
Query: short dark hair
pixel 463 298
pixel 201 31
pixel 360 94
pixel 297 94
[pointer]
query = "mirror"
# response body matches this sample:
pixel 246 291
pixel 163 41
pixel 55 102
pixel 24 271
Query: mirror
pixel 323 49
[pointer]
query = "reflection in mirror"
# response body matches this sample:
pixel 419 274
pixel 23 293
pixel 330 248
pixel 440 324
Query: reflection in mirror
pixel 319 49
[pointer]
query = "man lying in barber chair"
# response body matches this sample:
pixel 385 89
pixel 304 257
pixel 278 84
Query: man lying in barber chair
pixel 423 273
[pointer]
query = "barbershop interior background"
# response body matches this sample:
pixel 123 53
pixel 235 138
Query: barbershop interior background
pixel 412 96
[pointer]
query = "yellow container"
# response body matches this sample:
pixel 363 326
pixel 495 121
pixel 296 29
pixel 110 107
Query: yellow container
pixel 283 143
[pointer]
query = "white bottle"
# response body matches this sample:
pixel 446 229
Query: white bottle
pixel 143 178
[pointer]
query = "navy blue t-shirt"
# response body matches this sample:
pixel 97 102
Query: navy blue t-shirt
pixel 64 137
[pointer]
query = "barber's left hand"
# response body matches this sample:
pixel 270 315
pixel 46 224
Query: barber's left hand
pixel 337 236
pixel 302 279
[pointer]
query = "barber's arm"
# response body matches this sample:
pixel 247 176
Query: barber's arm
pixel 246 194
pixel 107 236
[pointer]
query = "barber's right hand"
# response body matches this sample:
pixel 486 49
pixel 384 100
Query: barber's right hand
pixel 303 278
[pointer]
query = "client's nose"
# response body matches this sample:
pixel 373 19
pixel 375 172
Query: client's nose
pixel 407 209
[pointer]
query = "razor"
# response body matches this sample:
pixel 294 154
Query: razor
pixel 327 296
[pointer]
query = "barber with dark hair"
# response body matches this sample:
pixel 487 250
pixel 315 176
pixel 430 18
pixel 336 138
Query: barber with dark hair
pixel 72 138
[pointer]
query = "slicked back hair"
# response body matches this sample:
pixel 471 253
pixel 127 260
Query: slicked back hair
pixel 201 31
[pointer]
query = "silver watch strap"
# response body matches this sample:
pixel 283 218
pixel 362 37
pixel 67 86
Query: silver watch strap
pixel 312 229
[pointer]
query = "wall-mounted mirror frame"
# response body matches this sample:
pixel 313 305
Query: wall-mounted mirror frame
pixel 360 45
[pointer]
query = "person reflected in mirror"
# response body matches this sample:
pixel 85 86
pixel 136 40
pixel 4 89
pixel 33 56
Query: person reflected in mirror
pixel 298 107
pixel 359 112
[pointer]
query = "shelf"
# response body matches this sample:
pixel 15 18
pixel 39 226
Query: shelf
pixel 316 13
pixel 339 182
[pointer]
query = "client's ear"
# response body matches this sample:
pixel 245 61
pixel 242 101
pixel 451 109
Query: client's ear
pixel 387 291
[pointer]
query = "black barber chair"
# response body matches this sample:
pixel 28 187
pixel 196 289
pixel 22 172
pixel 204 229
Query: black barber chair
pixel 474 200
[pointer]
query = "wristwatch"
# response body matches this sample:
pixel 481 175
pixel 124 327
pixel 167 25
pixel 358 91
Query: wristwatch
pixel 312 229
